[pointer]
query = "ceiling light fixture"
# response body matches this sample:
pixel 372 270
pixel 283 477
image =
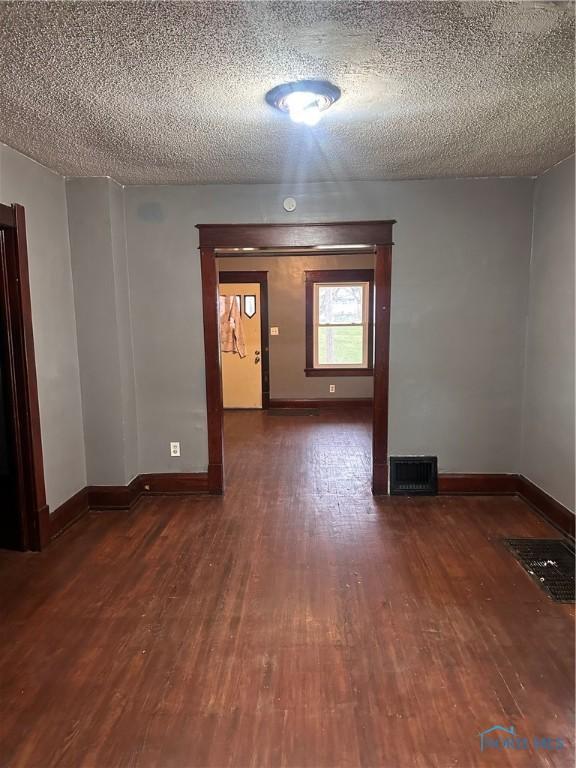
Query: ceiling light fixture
pixel 304 100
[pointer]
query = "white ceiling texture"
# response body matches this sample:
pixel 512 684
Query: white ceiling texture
pixel 173 92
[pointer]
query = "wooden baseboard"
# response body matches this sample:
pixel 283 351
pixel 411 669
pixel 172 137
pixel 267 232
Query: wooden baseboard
pixel 174 483
pixel 68 513
pixel 108 497
pixel 555 513
pixel 478 485
pixel 43 538
pixel 510 485
pixel 103 497
pixel 364 402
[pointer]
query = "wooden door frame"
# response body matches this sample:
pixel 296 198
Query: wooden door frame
pixel 376 234
pixel 25 412
pixel 245 276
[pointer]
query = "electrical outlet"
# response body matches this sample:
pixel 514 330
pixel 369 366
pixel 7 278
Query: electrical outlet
pixel 174 449
pixel 274 331
pixel 332 388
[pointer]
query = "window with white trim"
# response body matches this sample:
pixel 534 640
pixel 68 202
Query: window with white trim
pixel 339 322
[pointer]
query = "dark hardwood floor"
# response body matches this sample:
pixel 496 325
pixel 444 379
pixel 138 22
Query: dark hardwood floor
pixel 295 622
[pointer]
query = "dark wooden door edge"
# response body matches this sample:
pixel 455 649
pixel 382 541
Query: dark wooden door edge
pixel 109 497
pixel 7 218
pixel 363 402
pixel 245 276
pixel 380 479
pixel 34 512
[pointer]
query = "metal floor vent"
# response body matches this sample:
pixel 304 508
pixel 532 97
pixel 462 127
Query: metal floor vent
pixel 550 563
pixel 414 474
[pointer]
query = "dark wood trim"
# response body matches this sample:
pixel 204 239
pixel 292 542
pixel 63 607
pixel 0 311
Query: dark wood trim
pixel 7 219
pixel 245 276
pixel 216 478
pixel 334 276
pixel 213 373
pixel 339 275
pixel 102 497
pixel 34 523
pixel 363 402
pixel 339 372
pixel 266 253
pixel 294 235
pixel 39 513
pixel 168 483
pixel 376 234
pixel 477 484
pixel 510 485
pixel 69 512
pixel 553 511
pixel 383 295
pixel 242 276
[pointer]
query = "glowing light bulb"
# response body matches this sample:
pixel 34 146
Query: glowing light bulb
pixel 303 107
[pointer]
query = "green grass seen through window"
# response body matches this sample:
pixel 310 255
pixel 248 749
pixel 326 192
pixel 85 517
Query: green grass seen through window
pixel 340 345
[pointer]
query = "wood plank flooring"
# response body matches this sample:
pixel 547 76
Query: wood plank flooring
pixel 295 622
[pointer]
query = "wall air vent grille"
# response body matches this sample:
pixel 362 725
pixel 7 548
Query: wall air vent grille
pixel 414 474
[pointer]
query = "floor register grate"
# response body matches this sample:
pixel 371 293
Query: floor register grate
pixel 549 562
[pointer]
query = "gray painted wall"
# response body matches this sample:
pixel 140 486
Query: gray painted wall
pixel 287 310
pixel 124 321
pixel 459 302
pixel 98 244
pixel 43 195
pixel 548 408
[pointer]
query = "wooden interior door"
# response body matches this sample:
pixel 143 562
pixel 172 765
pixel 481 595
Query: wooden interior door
pixel 24 514
pixel 242 368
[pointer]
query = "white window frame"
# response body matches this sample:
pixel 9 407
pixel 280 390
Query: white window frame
pixel 364 324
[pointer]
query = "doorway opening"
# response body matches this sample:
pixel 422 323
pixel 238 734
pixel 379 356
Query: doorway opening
pixel 24 514
pixel 245 360
pixel 238 240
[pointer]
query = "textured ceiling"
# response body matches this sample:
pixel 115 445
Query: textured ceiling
pixel 163 92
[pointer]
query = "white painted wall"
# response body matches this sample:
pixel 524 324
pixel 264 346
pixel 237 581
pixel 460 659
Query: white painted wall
pixel 43 195
pixel 547 445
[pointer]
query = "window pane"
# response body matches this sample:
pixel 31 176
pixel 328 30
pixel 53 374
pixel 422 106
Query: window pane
pixel 249 305
pixel 340 345
pixel 339 304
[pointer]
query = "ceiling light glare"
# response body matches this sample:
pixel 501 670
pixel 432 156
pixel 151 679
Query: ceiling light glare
pixel 304 101
pixel 304 107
